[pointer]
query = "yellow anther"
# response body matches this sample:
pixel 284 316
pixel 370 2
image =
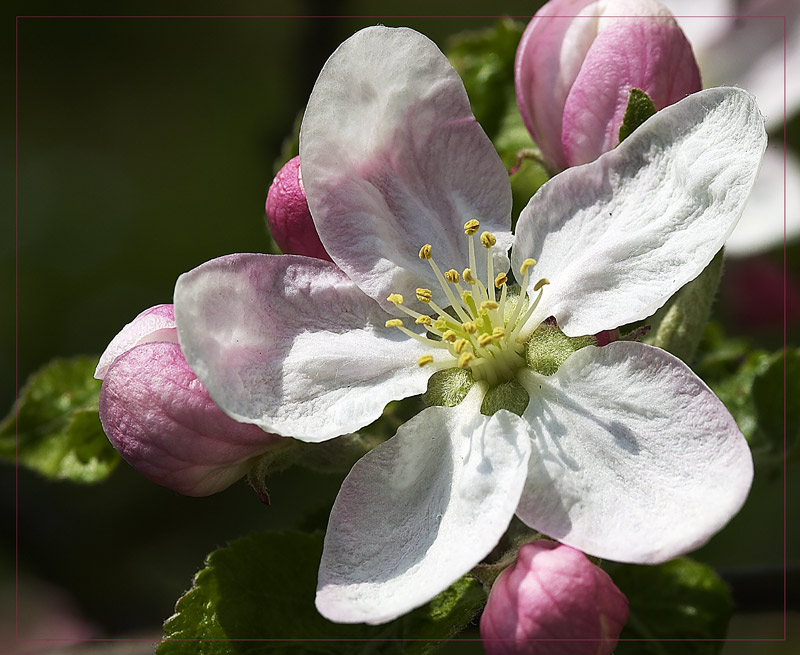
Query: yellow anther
pixel 541 283
pixel 488 239
pixel 425 359
pixel 471 227
pixel 500 280
pixel 450 336
pixel 526 265
pixel 485 339
pixel 489 304
pixel 498 333
pixel 459 346
pixel 469 328
pixel 452 276
pixel 464 359
pixel 440 324
pixel 425 251
pixel 469 278
pixel 395 298
pixel 423 320
pixel 394 322
pixel 424 295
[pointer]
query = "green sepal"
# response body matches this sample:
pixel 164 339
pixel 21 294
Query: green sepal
pixel 679 600
pixel 448 387
pixel 548 348
pixel 263 587
pixel 54 427
pixel 679 325
pixel 509 395
pixel 640 108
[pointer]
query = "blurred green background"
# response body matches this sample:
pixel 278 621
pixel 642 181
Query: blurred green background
pixel 145 147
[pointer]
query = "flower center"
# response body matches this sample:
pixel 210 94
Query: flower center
pixel 480 329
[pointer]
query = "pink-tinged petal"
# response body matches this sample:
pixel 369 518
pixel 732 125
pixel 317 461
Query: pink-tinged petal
pixel 650 54
pixel 162 420
pixel 392 159
pixel 617 237
pixel 773 209
pixel 638 461
pixel 420 510
pixel 548 60
pixel 288 214
pixel 153 324
pixel 291 344
pixel 553 601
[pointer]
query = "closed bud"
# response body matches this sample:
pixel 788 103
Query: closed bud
pixel 577 63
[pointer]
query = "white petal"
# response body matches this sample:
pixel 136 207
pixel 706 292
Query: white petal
pixel 703 22
pixel 762 224
pixel 392 158
pixel 639 461
pixel 421 510
pixel 290 344
pixel 617 237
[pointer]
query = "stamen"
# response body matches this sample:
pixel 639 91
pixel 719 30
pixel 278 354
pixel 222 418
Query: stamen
pixel 459 346
pixel 452 276
pixel 500 280
pixel 469 327
pixel 484 340
pixel 425 251
pixel 489 305
pixel 488 240
pixel 541 283
pixel 464 360
pixel 424 359
pixel 450 336
pixel 423 320
pixel 498 333
pixel 469 278
pixel 471 227
pixel 424 295
pixel 394 322
pixel 395 298
pixel 526 265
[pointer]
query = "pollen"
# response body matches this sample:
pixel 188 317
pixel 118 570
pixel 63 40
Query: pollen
pixel 395 298
pixel 485 339
pixel 526 265
pixel 423 320
pixel 489 305
pixel 424 359
pixel 541 283
pixel 394 322
pixel 471 227
pixel 500 280
pixel 498 333
pixel 452 276
pixel 460 345
pixel 469 278
pixel 426 251
pixel 469 327
pixel 464 360
pixel 450 336
pixel 424 295
pixel 488 240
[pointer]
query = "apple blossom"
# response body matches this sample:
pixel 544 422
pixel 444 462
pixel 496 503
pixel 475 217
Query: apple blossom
pixel 160 418
pixel 288 215
pixel 552 600
pixel 621 452
pixel 577 63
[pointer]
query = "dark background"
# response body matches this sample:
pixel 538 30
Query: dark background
pixel 145 146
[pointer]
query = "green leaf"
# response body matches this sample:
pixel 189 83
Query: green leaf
pixel 485 62
pixel 640 108
pixel 769 400
pixel 679 325
pixel 263 587
pixel 681 599
pixel 54 427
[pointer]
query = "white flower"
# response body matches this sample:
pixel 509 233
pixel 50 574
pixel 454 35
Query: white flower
pixel 622 452
pixel 755 44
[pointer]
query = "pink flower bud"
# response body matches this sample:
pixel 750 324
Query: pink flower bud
pixel 553 600
pixel 288 215
pixel 579 59
pixel 160 417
